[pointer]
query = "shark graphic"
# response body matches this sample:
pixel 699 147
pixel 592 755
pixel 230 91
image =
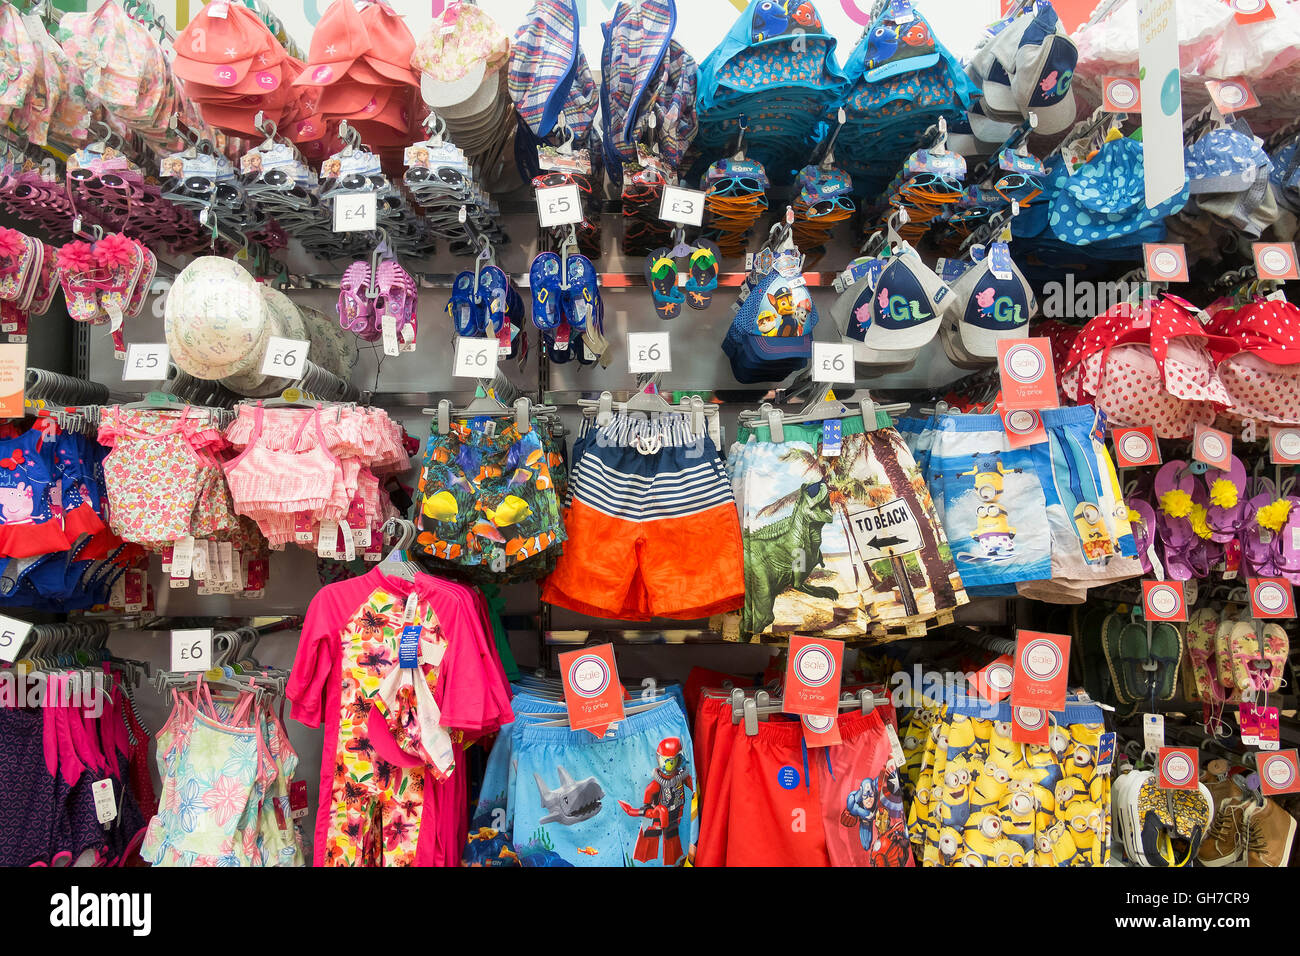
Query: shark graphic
pixel 572 802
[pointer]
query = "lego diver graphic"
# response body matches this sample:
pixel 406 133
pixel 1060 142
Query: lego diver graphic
pixel 662 805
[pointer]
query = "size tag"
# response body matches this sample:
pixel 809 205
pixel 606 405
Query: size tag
pixel 1269 728
pixel 1275 261
pixel 592 693
pixel 833 362
pixel 388 326
pixel 1153 733
pixel 559 205
pixel 1121 94
pixel 1270 598
pixel 1028 377
pixel 349 541
pixel 285 357
pixel 303 530
pixel 820 730
pixel 1000 261
pixel 812 676
pixel 1212 447
pixel 1284 446
pixel 13 634
pixel 1178 768
pixel 1166 261
pixel 145 362
pixel 298 799
pixel 225 561
pixel 199 563
pixel 327 540
pixel 105 802
pixel 1042 667
pixel 1164 601
pixel 475 358
pixel 832 437
pixel 1105 752
pixel 1279 772
pixel 993 681
pixel 192 649
pixel 1248 721
pixel 1023 427
pixel 408 654
pixel 649 352
pixel 685 206
pixel 354 212
pixel 1135 447
pixel 182 558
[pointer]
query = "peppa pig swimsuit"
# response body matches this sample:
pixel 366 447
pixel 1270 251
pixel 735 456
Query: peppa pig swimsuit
pixel 29 525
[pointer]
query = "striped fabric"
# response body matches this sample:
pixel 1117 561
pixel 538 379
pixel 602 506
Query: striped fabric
pixel 548 72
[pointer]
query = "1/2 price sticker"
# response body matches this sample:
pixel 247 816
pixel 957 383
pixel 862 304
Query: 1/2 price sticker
pixel 649 352
pixel 354 212
pixel 145 361
pixel 685 206
pixel 475 358
pixel 1284 446
pixel 559 205
pixel 1135 447
pixel 192 649
pixel 285 358
pixel 833 362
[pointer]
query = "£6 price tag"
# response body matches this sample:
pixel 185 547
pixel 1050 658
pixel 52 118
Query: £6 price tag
pixel 648 352
pixel 145 361
pixel 475 358
pixel 354 212
pixel 685 206
pixel 192 649
pixel 559 205
pixel 285 357
pixel 13 634
pixel 833 362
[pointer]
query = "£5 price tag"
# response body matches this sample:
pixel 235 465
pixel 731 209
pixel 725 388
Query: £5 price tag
pixel 13 634
pixel 145 361
pixel 475 358
pixel 192 649
pixel 285 357
pixel 833 362
pixel 648 352
pixel 354 212
pixel 685 206
pixel 559 205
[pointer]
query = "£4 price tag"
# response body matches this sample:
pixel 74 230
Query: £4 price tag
pixel 648 352
pixel 145 361
pixel 559 205
pixel 475 358
pixel 354 212
pixel 833 362
pixel 13 634
pixel 192 649
pixel 285 357
pixel 685 206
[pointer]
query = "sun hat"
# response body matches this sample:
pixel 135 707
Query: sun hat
pixel 215 319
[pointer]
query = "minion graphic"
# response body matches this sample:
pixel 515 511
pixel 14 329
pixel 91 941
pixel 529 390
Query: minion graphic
pixel 992 532
pixel 1093 534
pixel 988 471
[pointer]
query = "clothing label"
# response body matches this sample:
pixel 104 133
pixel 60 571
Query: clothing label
pixel 993 681
pixel 1164 601
pixel 388 327
pixel 354 212
pixel 237 577
pixel 1105 752
pixel 328 539
pixel 1135 447
pixel 182 558
pixel 1042 668
pixel 303 532
pixel 199 563
pixel 820 730
pixel 1284 446
pixel 192 649
pixel 225 558
pixel 592 693
pixel 1023 427
pixel 1248 722
pixel 812 676
pixel 349 542
pixel 1270 598
pixel 1276 260
pixel 832 437
pixel 105 804
pixel 475 358
pixel 298 799
pixel 685 206
pixel 1178 768
pixel 559 205
pixel 1000 261
pixel 410 609
pixel 1030 725
pixel 145 361
pixel 895 746
pixel 649 352
pixel 1028 378
pixel 833 362
pixel 408 654
pixel 13 634
pixel 1212 447
pixel 888 531
pixel 1279 772
pixel 219 10
pixel 1153 733
pixel 285 357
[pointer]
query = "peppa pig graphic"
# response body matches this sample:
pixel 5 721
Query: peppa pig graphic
pixel 984 299
pixel 16 504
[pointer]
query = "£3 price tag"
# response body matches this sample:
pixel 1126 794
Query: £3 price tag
pixel 13 634
pixel 285 357
pixel 833 362
pixel 685 206
pixel 559 205
pixel 475 358
pixel 648 352
pixel 145 361
pixel 354 212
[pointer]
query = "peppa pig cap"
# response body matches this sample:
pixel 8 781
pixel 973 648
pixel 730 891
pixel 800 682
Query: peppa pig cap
pixel 990 308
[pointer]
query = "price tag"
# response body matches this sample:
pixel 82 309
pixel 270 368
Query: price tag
pixel 1121 94
pixel 285 357
pixel 1028 377
pixel 1042 666
pixel 105 803
pixel 648 352
pixel 1153 733
pixel 559 205
pixel 475 358
pixel 13 634
pixel 1164 601
pixel 813 672
pixel 1212 447
pixel 1178 768
pixel 192 649
pixel 1030 725
pixel 1166 261
pixel 1275 261
pixel 821 731
pixel 1023 427
pixel 993 681
pixel 592 693
pixel 833 362
pixel 1279 772
pixel 682 205
pixel 1284 446
pixel 388 325
pixel 145 362
pixel 354 212
pixel 1271 598
pixel 182 560
pixel 1135 447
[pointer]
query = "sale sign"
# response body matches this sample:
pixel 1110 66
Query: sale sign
pixel 812 676
pixel 1042 667
pixel 592 692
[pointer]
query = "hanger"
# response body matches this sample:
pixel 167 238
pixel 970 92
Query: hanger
pixel 397 563
pixel 762 704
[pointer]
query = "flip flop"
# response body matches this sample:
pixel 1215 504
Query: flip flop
pixel 1173 491
pixel 1286 546
pixel 1227 496
pixel 1257 539
pixel 1145 537
pixel 702 278
pixel 661 277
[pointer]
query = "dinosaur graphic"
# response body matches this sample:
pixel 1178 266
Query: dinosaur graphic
pixel 783 554
pixel 572 802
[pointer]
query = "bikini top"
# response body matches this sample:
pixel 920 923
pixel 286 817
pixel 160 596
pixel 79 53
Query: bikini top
pixel 283 480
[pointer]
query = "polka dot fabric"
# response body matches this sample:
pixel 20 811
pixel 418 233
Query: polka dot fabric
pixel 1263 380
